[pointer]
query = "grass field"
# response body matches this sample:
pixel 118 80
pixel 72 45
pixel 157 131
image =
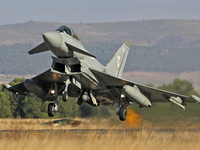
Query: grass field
pixel 146 138
pixel 141 140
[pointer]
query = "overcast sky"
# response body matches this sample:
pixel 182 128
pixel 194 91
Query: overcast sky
pixel 91 11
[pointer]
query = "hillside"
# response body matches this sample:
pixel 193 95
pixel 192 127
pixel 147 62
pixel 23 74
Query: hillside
pixel 176 33
pixel 156 45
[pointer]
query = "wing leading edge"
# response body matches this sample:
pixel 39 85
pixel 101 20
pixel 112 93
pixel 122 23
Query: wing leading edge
pixel 155 95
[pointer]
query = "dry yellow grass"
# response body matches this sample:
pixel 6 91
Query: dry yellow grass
pixel 146 138
pixel 140 140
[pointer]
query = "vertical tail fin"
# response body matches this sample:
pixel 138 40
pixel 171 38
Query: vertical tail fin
pixel 117 63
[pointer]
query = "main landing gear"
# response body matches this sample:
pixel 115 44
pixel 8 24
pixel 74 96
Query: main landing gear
pixel 53 107
pixel 122 113
pixel 65 92
pixel 121 110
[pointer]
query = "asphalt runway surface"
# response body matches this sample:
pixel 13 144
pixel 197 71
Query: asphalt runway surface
pixel 101 131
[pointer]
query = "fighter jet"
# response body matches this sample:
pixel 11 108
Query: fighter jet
pixel 75 72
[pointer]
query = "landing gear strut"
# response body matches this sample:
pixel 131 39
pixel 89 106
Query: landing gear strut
pixel 121 110
pixel 53 107
pixel 65 92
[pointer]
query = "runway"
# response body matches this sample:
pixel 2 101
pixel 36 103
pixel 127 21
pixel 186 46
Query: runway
pixel 101 131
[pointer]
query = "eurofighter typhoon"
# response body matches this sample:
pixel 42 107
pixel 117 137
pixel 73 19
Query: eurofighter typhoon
pixel 77 73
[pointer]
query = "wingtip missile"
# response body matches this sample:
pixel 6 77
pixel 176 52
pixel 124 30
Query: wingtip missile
pixel 7 86
pixel 196 98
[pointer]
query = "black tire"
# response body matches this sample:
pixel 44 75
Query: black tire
pixel 51 111
pixel 65 97
pixel 122 113
pixel 79 101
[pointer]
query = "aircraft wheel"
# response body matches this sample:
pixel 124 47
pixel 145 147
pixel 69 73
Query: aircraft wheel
pixel 51 109
pixel 122 113
pixel 79 101
pixel 65 97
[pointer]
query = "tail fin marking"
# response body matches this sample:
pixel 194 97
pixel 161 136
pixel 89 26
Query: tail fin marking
pixel 117 63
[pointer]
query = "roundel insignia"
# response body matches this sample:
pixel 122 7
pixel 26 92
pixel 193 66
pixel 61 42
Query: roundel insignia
pixel 118 60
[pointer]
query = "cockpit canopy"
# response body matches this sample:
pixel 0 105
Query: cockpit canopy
pixel 68 31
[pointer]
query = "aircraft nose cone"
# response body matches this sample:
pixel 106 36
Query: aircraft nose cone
pixel 52 39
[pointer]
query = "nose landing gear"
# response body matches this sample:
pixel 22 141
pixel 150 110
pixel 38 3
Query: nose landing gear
pixel 53 107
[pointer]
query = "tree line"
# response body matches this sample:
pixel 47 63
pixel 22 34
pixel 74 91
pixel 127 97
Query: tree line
pixel 30 106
